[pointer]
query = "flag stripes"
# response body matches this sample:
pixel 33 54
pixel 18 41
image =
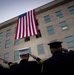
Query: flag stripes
pixel 26 25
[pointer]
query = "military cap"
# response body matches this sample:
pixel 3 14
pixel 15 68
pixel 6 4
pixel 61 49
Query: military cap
pixel 55 44
pixel 23 51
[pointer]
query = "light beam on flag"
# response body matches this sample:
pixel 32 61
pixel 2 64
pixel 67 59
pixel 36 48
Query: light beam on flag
pixel 26 25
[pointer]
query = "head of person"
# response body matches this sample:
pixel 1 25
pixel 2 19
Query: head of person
pixel 24 53
pixel 55 46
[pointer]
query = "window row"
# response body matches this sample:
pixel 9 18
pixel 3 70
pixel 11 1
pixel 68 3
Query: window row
pixel 50 30
pixel 63 25
pixel 40 49
pixel 58 14
pixel 8 33
pixel 70 42
pixel 16 42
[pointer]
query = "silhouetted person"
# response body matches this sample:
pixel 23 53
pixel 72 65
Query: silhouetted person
pixel 25 66
pixel 60 62
pixel 4 70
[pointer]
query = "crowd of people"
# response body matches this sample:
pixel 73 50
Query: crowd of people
pixel 61 62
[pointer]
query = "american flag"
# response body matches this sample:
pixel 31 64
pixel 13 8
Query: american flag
pixel 26 25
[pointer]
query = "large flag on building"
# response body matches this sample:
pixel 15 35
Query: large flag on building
pixel 26 25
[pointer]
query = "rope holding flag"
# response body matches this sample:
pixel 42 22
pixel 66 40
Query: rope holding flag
pixel 26 25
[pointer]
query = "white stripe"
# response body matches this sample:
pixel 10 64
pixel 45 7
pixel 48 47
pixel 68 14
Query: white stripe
pixel 21 28
pixel 31 24
pixel 34 23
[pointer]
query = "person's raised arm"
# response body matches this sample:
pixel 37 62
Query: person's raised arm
pixel 39 60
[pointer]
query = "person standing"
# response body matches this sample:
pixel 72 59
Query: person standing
pixel 25 66
pixel 4 70
pixel 58 63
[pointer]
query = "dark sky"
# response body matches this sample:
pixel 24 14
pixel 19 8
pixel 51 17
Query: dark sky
pixel 12 8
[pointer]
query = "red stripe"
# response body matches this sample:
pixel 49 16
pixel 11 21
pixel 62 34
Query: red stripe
pixel 20 27
pixel 32 24
pixel 26 28
pixel 16 30
pixel 29 21
pixel 29 24
pixel 23 28
pixel 35 21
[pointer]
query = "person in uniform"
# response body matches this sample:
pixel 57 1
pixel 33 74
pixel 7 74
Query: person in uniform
pixel 10 64
pixel 57 63
pixel 70 61
pixel 25 66
pixel 4 70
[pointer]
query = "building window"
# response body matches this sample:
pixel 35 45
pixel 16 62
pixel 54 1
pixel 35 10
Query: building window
pixel 50 30
pixel 8 33
pixel 16 42
pixel 27 39
pixel 1 35
pixel 47 18
pixel 40 49
pixel 70 41
pixel 16 55
pixel 59 14
pixel 64 25
pixel 39 34
pixel 7 44
pixel 71 9
pixel 6 56
pixel 0 45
